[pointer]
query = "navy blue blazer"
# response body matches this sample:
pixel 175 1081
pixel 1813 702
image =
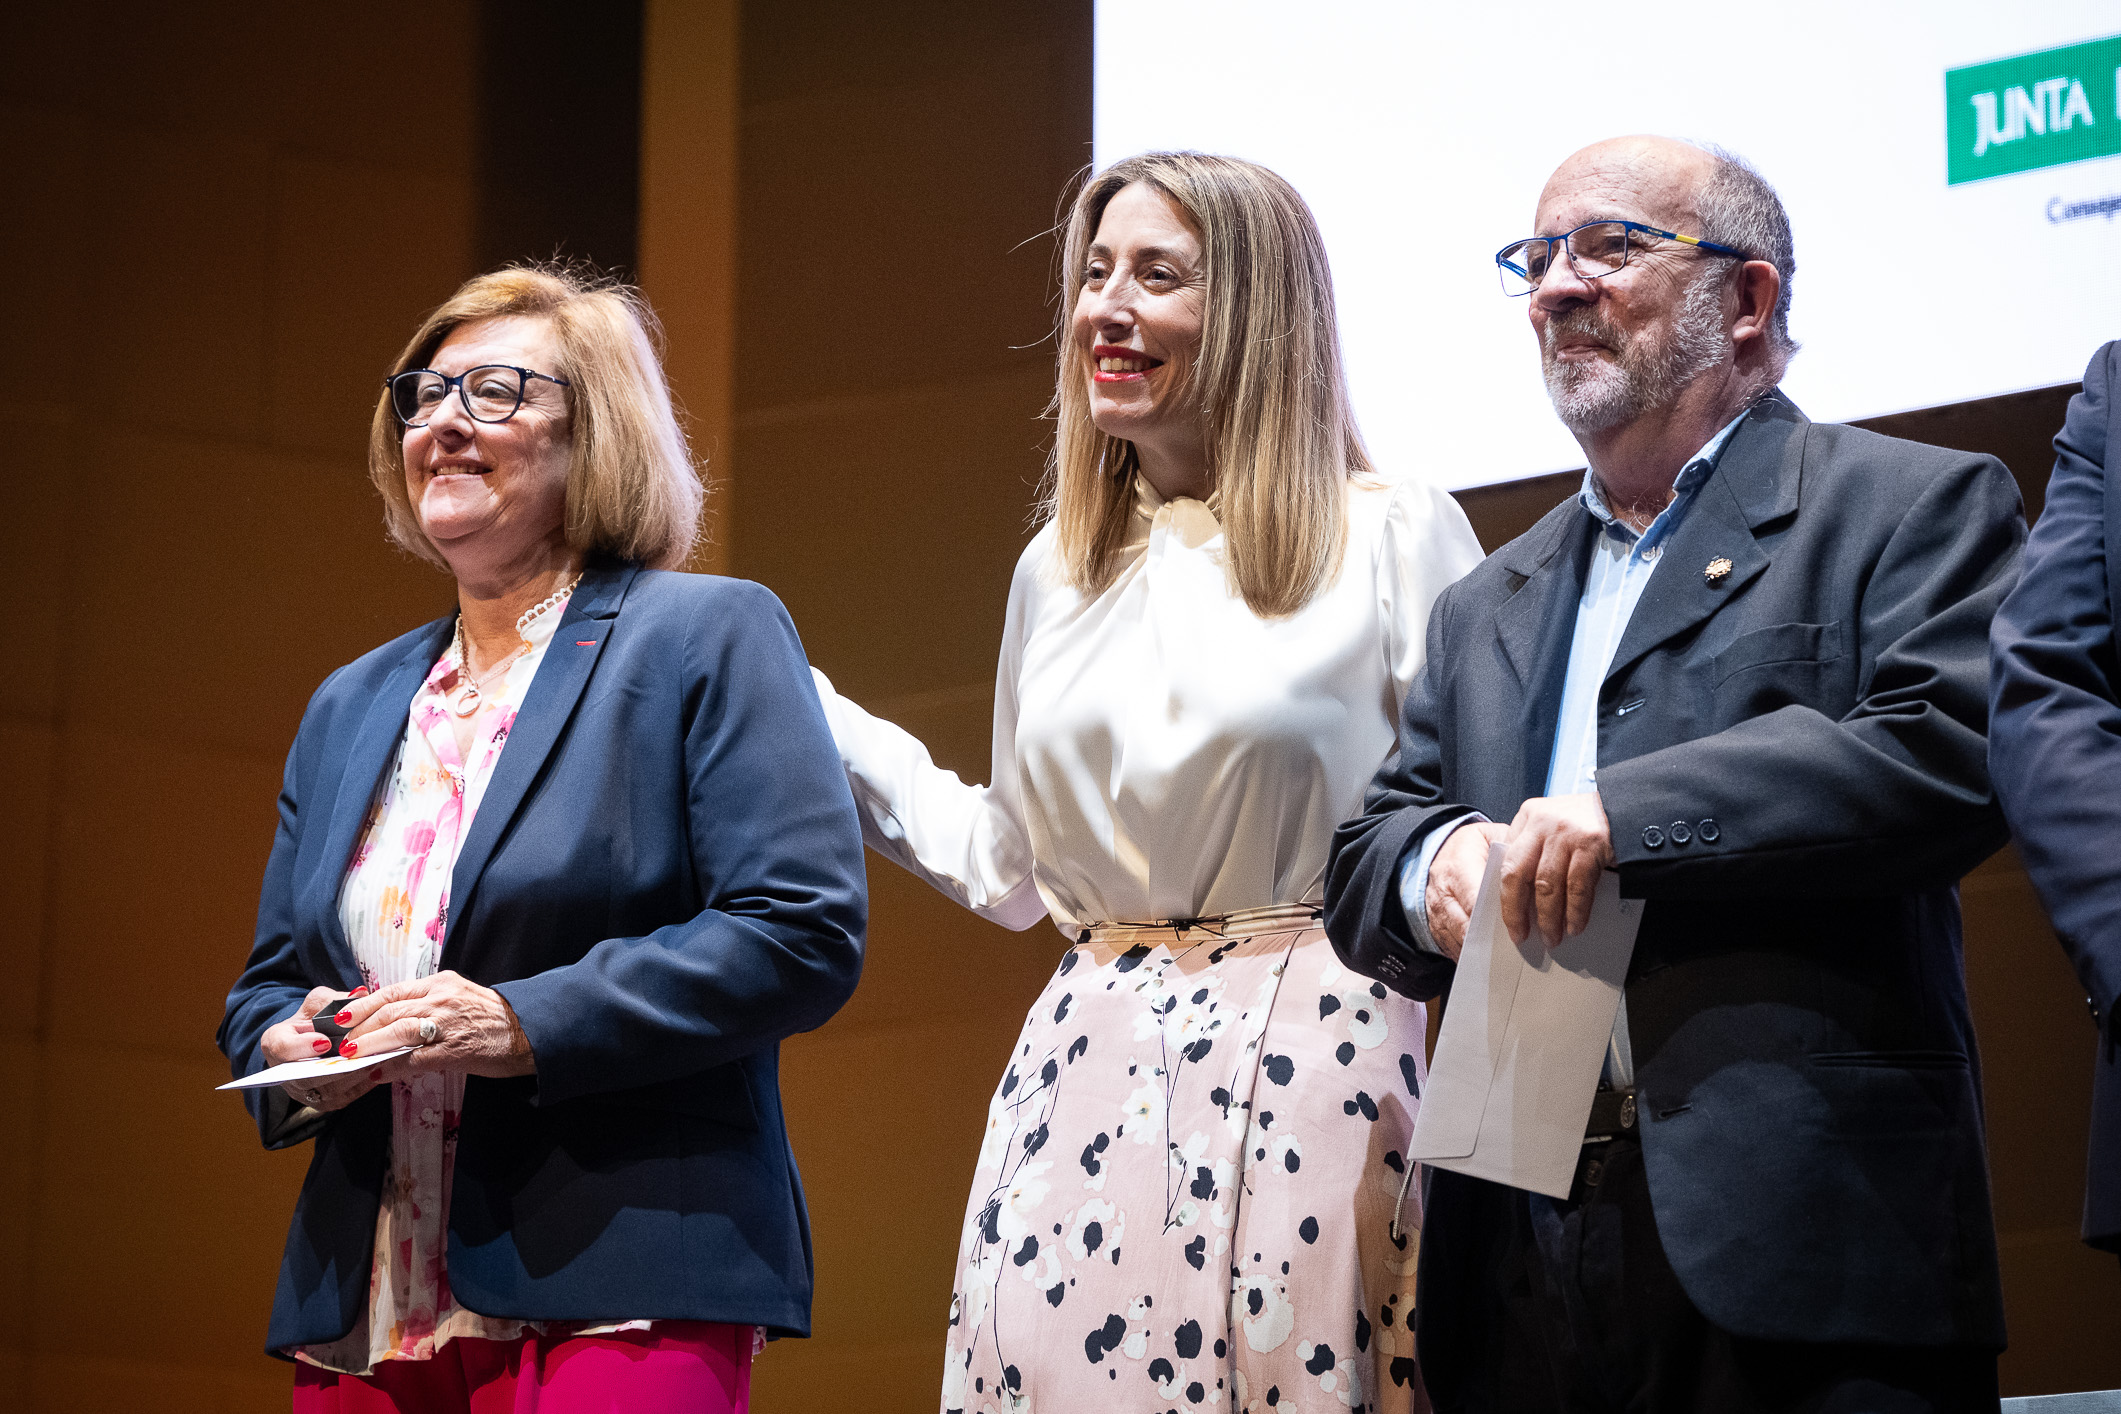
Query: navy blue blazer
pixel 664 879
pixel 2055 747
pixel 1791 755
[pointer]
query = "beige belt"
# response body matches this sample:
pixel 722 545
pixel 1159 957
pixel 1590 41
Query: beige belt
pixel 1244 923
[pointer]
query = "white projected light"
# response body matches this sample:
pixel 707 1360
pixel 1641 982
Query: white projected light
pixel 1952 172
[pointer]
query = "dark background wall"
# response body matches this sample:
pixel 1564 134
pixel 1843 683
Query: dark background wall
pixel 223 223
pixel 556 168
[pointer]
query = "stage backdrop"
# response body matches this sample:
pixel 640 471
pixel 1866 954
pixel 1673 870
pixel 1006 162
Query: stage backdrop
pixel 840 211
pixel 1952 169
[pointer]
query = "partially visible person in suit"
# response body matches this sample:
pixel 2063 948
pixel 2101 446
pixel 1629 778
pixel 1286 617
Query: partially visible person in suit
pixel 584 848
pixel 2055 746
pixel 1745 665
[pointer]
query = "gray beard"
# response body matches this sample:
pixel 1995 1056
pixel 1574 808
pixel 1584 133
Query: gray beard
pixel 1645 372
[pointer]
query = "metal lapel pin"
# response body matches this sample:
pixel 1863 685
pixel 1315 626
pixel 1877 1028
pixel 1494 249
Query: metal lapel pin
pixel 1716 569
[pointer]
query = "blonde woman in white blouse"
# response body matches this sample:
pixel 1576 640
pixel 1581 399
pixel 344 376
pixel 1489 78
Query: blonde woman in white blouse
pixel 1194 1160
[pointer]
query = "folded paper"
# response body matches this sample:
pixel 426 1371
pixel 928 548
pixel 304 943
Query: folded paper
pixel 1524 1036
pixel 323 1068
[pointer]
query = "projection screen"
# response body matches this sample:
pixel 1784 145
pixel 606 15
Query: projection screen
pixel 1952 172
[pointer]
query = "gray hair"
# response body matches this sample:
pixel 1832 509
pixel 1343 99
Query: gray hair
pixel 1736 207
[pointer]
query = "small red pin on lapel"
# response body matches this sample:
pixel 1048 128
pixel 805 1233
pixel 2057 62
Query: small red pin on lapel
pixel 1716 569
pixel 585 643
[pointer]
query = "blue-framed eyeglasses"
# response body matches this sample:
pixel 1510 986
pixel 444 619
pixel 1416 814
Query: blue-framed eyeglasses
pixel 1595 250
pixel 491 392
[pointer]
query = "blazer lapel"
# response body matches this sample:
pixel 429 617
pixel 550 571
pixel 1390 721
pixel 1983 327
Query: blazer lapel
pixel 1548 579
pixel 1535 627
pixel 577 642
pixel 375 747
pixel 1754 482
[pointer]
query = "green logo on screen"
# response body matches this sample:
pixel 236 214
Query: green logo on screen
pixel 2034 110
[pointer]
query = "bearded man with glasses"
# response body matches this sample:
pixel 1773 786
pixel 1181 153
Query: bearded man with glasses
pixel 1745 667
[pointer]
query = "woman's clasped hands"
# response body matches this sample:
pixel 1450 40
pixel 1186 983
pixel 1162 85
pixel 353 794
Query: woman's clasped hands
pixel 444 1021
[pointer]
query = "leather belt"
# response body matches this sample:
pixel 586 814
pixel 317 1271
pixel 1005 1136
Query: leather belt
pixel 1612 1115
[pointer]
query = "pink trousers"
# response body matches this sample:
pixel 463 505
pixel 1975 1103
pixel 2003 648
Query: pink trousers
pixel 675 1365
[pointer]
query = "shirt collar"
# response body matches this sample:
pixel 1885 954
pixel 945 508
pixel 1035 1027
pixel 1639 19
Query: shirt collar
pixel 1689 480
pixel 1147 502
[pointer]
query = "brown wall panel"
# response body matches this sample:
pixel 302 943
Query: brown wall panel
pixel 29 756
pixel 20 1061
pixel 49 467
pixel 169 1205
pixel 159 846
pixel 46 241
pixel 184 286
pixel 108 1383
pixel 835 502
pixel 333 81
pixel 359 254
pixel 690 109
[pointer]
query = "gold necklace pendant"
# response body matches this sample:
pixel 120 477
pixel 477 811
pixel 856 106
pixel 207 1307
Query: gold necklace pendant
pixel 467 701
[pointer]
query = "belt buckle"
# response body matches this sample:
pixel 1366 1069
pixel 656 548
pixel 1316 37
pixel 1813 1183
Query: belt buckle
pixel 1612 1114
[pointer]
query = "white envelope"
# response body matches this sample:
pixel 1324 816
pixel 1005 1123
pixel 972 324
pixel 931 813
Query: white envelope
pixel 1523 1040
pixel 324 1068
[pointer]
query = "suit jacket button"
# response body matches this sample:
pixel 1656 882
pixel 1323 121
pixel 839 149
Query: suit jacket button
pixel 1708 831
pixel 1680 833
pixel 1653 837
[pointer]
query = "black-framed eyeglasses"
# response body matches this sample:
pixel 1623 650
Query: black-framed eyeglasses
pixel 1595 250
pixel 492 392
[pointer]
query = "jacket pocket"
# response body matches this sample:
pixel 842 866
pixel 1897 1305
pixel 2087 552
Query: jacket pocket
pixel 1778 643
pixel 1891 1060
pixel 722 1094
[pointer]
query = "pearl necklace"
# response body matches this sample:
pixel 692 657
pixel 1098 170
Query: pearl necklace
pixel 469 694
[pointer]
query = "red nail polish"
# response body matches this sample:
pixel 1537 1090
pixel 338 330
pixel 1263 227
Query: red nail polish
pixel 344 1018
pixel 323 1044
pixel 358 992
pixel 347 1048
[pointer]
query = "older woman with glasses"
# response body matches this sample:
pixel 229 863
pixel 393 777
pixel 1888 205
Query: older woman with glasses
pixel 580 854
pixel 1193 1186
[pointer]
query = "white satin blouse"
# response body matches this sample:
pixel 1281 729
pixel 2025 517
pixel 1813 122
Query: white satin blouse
pixel 1160 751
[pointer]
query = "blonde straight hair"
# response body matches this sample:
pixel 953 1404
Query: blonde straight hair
pixel 1267 383
pixel 633 491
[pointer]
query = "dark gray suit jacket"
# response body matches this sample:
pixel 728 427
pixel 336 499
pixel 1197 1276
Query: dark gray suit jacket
pixel 1792 756
pixel 2057 740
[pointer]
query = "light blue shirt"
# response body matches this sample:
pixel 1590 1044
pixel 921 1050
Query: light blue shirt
pixel 1620 569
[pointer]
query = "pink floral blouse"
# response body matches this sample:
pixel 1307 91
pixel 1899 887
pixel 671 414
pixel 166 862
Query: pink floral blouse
pixel 394 905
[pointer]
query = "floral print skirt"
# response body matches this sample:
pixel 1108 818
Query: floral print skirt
pixel 1192 1193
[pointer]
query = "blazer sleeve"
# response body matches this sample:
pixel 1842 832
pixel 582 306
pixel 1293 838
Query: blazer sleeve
pixel 777 947
pixel 966 841
pixel 2055 742
pixel 274 982
pixel 1403 804
pixel 1893 795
